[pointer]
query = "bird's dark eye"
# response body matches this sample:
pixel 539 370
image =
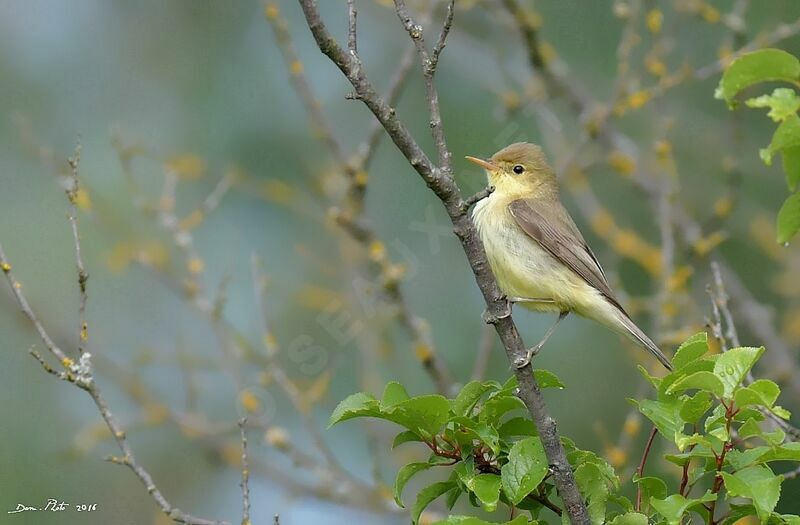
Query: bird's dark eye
pixel 518 169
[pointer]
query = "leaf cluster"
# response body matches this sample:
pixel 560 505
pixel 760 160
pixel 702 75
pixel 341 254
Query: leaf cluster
pixel 773 65
pixel 717 416
pixel 710 408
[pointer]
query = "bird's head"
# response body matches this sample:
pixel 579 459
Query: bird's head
pixel 520 169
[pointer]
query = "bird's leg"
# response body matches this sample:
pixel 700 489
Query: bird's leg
pixel 492 319
pixel 532 351
pixel 513 300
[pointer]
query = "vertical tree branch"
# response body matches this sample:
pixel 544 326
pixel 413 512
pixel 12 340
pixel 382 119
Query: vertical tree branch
pixel 73 194
pixel 443 185
pixel 245 484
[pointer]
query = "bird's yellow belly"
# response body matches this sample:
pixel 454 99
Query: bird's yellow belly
pixel 524 269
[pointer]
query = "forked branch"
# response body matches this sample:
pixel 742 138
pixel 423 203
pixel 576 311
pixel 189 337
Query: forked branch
pixel 439 179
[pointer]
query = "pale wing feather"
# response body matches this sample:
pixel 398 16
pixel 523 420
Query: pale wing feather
pixel 549 225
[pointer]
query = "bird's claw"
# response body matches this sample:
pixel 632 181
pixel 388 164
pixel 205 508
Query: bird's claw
pixel 490 318
pixel 522 362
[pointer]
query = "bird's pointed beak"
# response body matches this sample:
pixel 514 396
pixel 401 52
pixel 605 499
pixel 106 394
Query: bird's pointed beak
pixel 485 164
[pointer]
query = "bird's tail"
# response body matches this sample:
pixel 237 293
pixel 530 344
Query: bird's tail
pixel 636 334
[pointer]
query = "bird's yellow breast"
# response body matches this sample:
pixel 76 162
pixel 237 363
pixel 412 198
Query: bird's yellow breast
pixel 523 268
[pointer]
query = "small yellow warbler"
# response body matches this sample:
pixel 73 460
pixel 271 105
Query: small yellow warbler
pixel 536 252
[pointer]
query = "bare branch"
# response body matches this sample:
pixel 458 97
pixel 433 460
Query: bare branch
pixel 366 150
pixel 298 80
pixel 429 64
pixel 352 37
pixel 442 184
pixel 16 289
pixel 245 475
pixel 719 304
pixel 73 194
pixel 469 202
pixel 352 221
pixel 80 374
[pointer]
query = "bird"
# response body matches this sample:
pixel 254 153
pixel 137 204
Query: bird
pixel 536 252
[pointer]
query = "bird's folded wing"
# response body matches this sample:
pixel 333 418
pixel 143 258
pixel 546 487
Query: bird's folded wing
pixel 549 224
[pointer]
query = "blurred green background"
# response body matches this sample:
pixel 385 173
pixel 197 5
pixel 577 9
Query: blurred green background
pixel 185 80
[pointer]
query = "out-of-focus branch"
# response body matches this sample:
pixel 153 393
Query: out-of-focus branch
pixel 729 336
pixel 439 179
pixel 73 193
pixel 81 374
pixel 753 314
pixel 245 484
pixel 350 216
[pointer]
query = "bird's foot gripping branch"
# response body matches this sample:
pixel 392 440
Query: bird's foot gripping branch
pixel 721 426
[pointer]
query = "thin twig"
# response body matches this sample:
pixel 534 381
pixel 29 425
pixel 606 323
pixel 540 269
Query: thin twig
pixel 298 80
pixel 721 311
pixel 472 200
pixel 73 192
pixel 80 374
pixel 352 37
pixel 443 185
pixel 429 65
pixel 245 475
pixel 351 218
pixel 642 463
pixel 366 150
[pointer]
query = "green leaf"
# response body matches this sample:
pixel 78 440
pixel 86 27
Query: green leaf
pixel 517 426
pixel 705 381
pixel 675 506
pixel 579 457
pixel 594 489
pixel 469 396
pixel 478 430
pixel 360 404
pixel 526 468
pixel 496 407
pixel 786 136
pixel 405 474
pixel 759 66
pixel 471 520
pixel 393 393
pixel 630 518
pixel 452 497
pixel 782 103
pixel 487 488
pixel 768 390
pixel 425 413
pixel 665 415
pixel 547 379
pixel 696 406
pixel 717 424
pixel 732 366
pixel 788 218
pixel 785 452
pixel 653 380
pixel 404 437
pixel 652 487
pixel 705 364
pixel 759 484
pixel 692 349
pixel 427 495
pixel 791 166
pixel 739 459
